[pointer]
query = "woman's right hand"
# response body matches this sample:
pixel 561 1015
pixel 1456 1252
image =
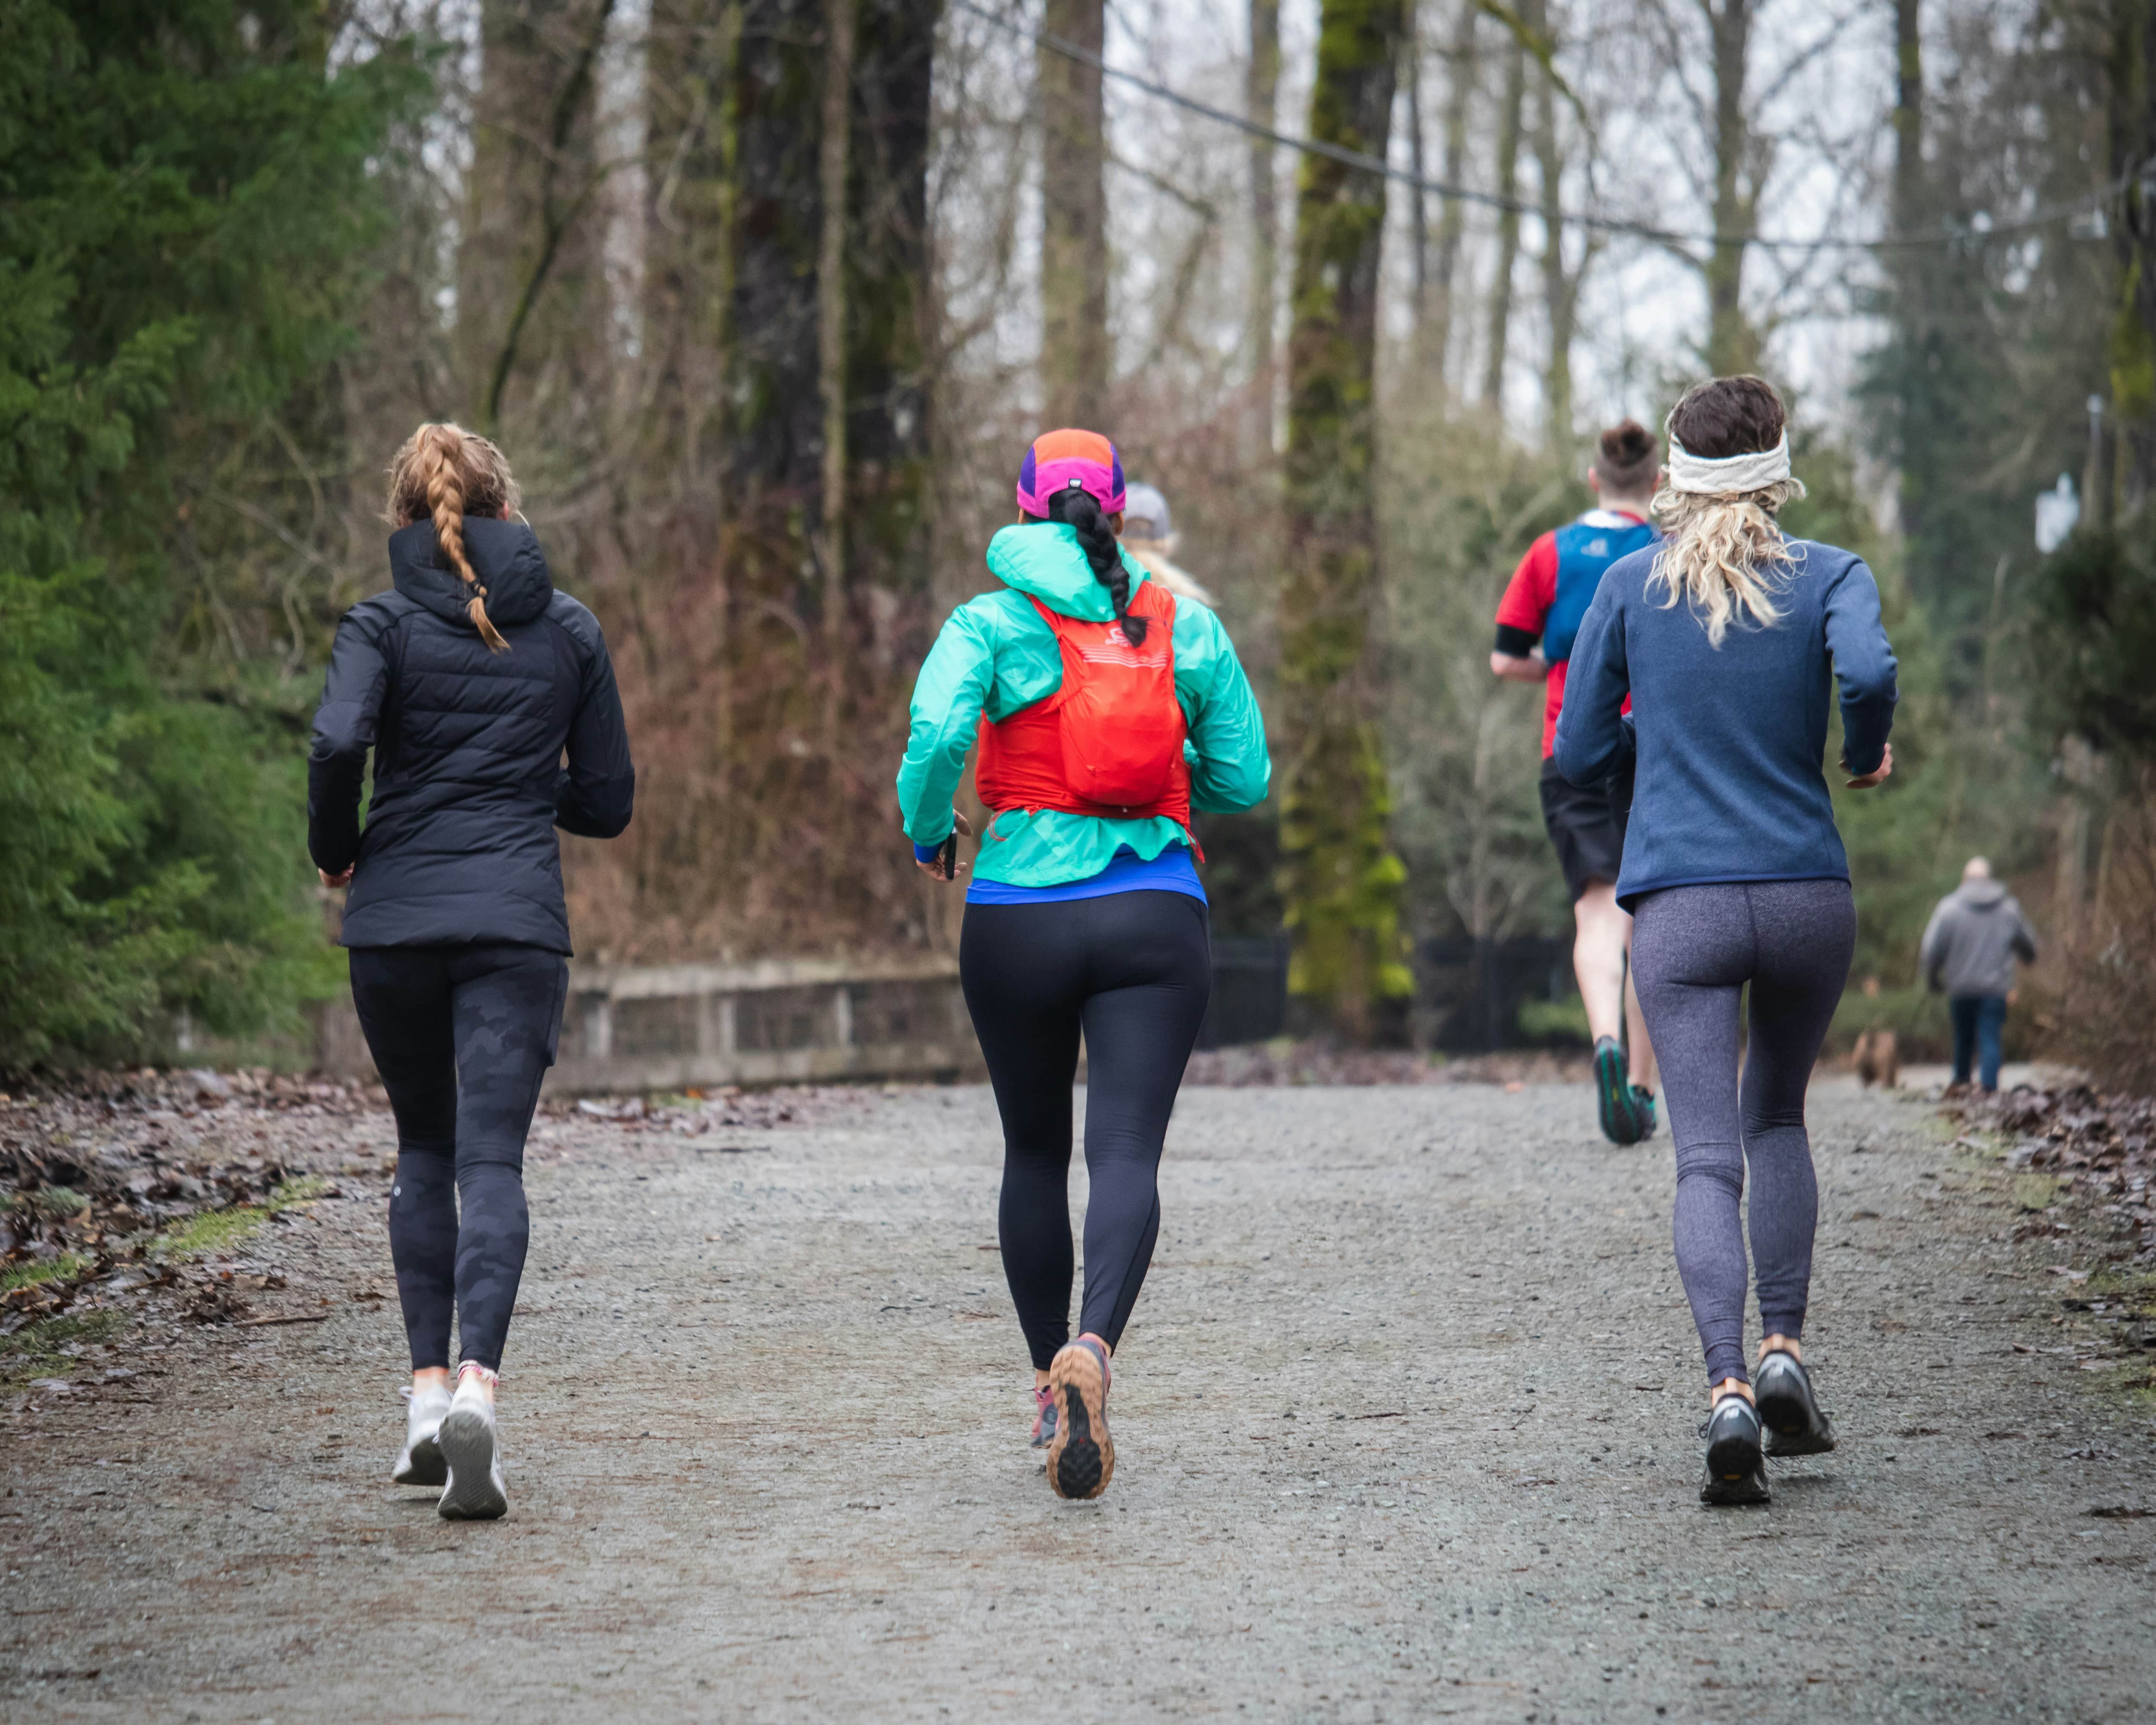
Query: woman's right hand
pixel 934 870
pixel 1878 775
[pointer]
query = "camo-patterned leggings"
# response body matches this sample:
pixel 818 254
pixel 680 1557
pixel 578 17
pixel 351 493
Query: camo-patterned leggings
pixel 462 1036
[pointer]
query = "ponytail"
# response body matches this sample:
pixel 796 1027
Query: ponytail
pixel 445 472
pixel 1081 511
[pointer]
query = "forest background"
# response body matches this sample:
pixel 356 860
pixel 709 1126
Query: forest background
pixel 764 298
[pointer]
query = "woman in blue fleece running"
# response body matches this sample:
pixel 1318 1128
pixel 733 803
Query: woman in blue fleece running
pixel 1729 637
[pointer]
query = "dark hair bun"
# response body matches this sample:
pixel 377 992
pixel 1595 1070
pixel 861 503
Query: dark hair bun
pixel 1627 445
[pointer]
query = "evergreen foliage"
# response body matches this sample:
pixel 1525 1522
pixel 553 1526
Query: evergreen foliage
pixel 184 194
pixel 2094 642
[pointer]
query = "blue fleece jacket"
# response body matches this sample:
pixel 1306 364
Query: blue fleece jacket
pixel 1729 742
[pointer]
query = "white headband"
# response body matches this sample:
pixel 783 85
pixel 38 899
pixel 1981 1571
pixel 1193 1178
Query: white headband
pixel 1731 475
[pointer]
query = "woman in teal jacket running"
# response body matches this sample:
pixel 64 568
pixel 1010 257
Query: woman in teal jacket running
pixel 1107 712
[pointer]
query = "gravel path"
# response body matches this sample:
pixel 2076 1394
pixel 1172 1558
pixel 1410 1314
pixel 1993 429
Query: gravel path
pixel 1405 1430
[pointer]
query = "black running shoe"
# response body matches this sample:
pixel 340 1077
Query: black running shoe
pixel 1614 1095
pixel 1736 1470
pixel 1787 1409
pixel 1643 1102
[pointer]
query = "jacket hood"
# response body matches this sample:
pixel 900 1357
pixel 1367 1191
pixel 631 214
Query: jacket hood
pixel 1981 894
pixel 1044 559
pixel 505 556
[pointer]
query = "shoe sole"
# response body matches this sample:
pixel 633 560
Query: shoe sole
pixel 423 1465
pixel 1789 1422
pixel 1735 1473
pixel 1613 1097
pixel 1081 1458
pixel 467 1446
pixel 1723 1492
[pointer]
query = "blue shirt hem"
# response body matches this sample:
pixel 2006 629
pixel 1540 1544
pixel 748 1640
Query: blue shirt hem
pixel 1171 871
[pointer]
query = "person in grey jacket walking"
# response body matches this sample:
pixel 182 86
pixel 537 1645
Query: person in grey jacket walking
pixel 1969 952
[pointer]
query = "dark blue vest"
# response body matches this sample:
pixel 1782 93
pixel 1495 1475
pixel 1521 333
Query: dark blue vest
pixel 1582 553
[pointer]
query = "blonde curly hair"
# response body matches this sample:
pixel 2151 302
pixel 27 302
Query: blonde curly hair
pixel 1725 553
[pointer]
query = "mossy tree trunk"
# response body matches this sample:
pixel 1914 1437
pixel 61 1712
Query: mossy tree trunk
pixel 1340 879
pixel 1074 240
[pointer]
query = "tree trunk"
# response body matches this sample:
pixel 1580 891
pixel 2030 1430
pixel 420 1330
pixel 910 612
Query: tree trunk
pixel 1262 102
pixel 1419 208
pixel 1465 68
pixel 1340 879
pixel 1074 244
pixel 1560 291
pixel 530 287
pixel 1508 223
pixel 2132 80
pixel 1732 345
pixel 833 161
pixel 1912 270
pixel 786 441
pixel 826 424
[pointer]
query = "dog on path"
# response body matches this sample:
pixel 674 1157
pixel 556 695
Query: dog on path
pixel 1878 1058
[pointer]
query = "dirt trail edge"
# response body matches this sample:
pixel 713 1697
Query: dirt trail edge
pixel 1405 1430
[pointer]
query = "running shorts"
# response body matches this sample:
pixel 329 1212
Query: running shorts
pixel 1587 826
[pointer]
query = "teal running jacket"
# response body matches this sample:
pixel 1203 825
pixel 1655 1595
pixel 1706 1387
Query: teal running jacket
pixel 996 656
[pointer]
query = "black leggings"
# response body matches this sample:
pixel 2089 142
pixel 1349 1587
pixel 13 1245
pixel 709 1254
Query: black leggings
pixel 1694 949
pixel 462 1036
pixel 1133 970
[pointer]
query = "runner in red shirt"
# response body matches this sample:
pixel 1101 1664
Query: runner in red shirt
pixel 1540 612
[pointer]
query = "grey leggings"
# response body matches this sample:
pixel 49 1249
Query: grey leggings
pixel 1694 949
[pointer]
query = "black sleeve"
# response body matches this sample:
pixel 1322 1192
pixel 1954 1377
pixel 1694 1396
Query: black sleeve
pixel 594 796
pixel 1516 642
pixel 344 731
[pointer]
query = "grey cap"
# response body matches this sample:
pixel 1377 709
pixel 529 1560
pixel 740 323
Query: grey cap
pixel 1145 513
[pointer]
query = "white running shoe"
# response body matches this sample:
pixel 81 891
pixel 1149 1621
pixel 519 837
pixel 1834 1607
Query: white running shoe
pixel 476 1491
pixel 419 1463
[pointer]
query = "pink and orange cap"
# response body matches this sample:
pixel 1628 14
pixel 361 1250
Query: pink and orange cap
pixel 1057 459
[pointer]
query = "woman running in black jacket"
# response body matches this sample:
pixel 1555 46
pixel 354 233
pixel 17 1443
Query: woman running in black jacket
pixel 469 680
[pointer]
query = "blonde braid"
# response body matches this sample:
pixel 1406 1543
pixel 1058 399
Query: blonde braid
pixel 435 475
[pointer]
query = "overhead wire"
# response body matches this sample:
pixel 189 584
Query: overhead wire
pixel 2044 216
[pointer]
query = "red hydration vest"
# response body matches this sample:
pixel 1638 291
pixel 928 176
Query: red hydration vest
pixel 1109 741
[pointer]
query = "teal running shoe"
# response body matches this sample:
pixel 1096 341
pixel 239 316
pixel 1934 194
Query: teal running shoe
pixel 1613 1095
pixel 1643 1103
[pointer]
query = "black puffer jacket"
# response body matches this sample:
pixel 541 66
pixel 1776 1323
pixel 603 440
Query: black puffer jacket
pixel 469 783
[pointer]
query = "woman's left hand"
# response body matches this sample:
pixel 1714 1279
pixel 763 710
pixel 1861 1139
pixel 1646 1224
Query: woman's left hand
pixel 330 879
pixel 1878 775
